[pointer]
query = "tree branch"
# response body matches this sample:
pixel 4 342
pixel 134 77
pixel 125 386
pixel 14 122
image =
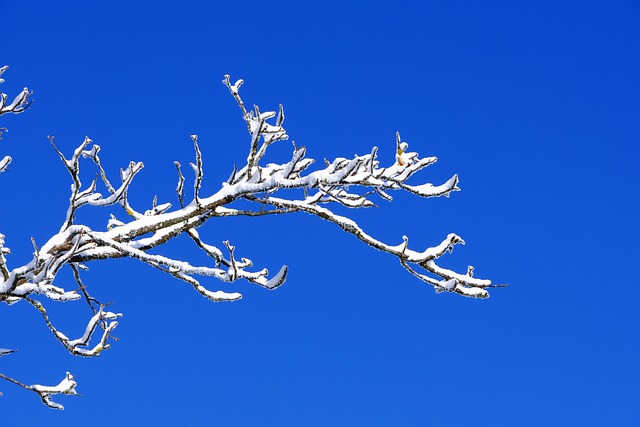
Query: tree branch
pixel 271 189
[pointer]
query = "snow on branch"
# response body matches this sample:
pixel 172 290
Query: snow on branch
pixel 347 182
pixel 66 386
pixel 19 103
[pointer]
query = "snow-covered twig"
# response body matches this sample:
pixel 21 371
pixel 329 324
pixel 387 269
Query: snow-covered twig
pixel 66 386
pixel 20 103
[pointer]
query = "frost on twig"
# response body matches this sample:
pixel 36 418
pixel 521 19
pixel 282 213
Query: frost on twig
pixel 264 189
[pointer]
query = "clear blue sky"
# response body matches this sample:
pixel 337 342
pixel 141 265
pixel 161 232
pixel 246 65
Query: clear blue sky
pixel 535 104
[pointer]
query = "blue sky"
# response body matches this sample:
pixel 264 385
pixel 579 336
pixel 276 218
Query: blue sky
pixel 534 104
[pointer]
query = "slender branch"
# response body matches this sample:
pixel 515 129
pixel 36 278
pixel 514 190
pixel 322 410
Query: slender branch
pixel 66 386
pixel 180 187
pixel 75 346
pixel 197 169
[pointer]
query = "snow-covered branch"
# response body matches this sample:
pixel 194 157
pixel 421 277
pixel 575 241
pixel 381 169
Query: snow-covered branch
pixel 254 189
pixel 66 386
pixel 20 103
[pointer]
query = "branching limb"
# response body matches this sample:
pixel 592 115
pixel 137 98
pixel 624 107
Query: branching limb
pixel 255 189
pixel 19 104
pixel 76 346
pixel 463 285
pixel 258 128
pixel 89 196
